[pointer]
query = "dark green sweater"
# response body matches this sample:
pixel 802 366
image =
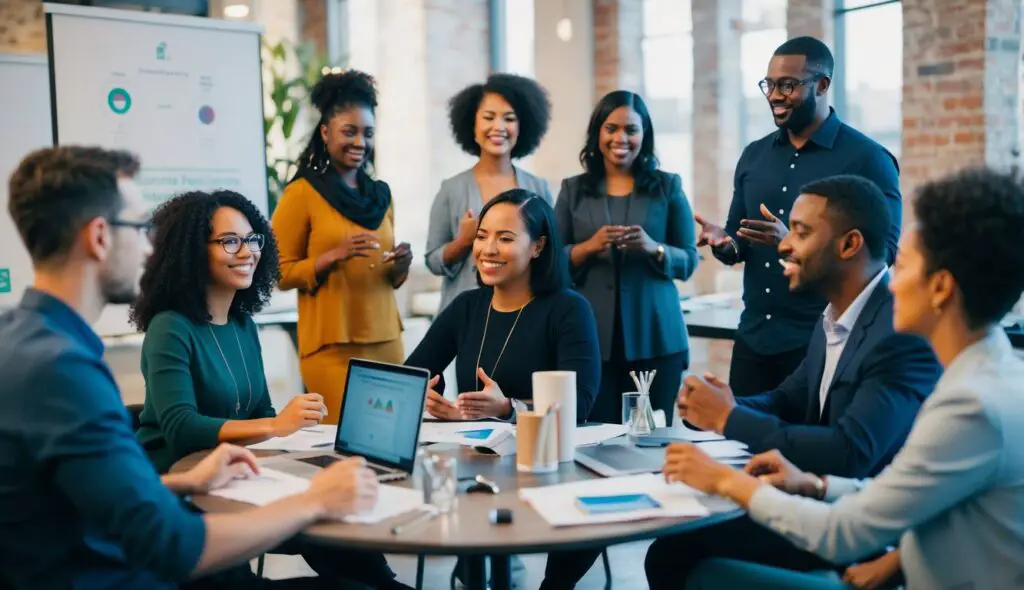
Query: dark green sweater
pixel 189 389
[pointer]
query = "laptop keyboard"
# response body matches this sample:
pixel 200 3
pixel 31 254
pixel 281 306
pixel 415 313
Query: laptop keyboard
pixel 325 460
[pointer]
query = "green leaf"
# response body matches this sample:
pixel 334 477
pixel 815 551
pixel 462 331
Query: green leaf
pixel 288 122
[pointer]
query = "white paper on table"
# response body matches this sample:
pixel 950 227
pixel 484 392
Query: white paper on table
pixel 557 503
pixel 470 434
pixel 684 432
pixel 305 439
pixel 272 485
pixel 725 449
pixel 597 433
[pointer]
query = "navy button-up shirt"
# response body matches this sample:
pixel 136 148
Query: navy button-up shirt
pixel 771 171
pixel 80 504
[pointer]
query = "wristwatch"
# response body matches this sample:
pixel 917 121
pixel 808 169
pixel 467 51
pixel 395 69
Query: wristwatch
pixel 819 487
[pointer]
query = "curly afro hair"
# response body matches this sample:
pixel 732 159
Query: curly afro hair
pixel 334 93
pixel 528 99
pixel 951 213
pixel 178 271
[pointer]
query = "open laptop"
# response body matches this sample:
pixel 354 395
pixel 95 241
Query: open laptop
pixel 379 420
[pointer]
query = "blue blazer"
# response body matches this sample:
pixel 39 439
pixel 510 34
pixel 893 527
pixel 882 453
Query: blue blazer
pixel 652 321
pixel 880 382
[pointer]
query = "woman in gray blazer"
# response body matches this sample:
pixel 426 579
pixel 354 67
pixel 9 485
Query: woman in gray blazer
pixel 630 232
pixel 953 497
pixel 499 121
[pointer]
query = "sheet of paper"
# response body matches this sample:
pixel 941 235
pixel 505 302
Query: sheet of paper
pixel 305 439
pixel 466 433
pixel 272 485
pixel 597 433
pixel 725 449
pixel 684 433
pixel 557 504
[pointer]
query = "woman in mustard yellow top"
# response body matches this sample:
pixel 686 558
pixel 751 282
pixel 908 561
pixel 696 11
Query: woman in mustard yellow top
pixel 335 229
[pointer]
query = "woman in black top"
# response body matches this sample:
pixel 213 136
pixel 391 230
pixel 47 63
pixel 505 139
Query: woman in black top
pixel 523 319
pixel 630 232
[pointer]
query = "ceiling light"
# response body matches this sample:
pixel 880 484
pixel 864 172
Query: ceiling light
pixel 236 10
pixel 564 29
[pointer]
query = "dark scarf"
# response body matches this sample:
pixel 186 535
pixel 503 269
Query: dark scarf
pixel 365 205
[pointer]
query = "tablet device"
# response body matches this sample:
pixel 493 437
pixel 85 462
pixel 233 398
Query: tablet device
pixel 616 504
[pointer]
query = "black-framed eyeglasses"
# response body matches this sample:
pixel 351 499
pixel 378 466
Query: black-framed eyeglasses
pixel 144 227
pixel 785 86
pixel 233 244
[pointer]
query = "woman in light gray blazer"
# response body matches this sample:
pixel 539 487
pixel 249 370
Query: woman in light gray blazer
pixel 953 497
pixel 499 121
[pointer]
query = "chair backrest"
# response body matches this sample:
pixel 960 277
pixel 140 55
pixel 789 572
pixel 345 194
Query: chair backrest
pixel 134 410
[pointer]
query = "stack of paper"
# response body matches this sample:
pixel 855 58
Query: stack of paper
pixel 597 433
pixel 272 485
pixel 557 504
pixel 305 439
pixel 725 449
pixel 470 434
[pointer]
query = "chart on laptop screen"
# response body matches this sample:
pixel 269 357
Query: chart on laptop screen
pixel 381 413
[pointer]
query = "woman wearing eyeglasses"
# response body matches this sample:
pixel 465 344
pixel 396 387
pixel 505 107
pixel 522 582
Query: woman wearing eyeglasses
pixel 214 264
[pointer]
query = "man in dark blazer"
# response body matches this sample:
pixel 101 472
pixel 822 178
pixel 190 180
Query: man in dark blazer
pixel 848 407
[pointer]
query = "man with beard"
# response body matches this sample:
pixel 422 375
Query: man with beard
pixel 848 406
pixel 811 143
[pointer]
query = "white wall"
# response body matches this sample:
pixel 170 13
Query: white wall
pixel 566 69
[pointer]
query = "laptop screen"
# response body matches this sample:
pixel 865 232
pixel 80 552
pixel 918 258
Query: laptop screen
pixel 381 415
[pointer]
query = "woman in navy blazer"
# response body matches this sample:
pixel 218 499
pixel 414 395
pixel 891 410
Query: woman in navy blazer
pixel 630 232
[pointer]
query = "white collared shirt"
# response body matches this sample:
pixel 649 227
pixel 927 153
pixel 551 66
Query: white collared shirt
pixel 837 332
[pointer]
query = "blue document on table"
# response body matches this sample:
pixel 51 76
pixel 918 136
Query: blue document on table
pixel 616 504
pixel 481 434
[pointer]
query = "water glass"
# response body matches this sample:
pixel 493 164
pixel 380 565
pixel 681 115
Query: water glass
pixel 440 481
pixel 637 414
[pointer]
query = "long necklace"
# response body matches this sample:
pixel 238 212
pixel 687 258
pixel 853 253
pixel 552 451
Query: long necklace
pixel 484 339
pixel 238 399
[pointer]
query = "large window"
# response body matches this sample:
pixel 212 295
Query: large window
pixel 668 83
pixel 869 69
pixel 519 37
pixel 764 29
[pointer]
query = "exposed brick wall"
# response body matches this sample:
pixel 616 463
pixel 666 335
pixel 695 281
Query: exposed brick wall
pixel 22 28
pixel 814 18
pixel 313 23
pixel 618 51
pixel 961 90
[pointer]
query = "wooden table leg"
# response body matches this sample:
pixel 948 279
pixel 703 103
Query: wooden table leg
pixel 474 574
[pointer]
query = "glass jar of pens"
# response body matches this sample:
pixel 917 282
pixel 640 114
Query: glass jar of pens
pixel 637 413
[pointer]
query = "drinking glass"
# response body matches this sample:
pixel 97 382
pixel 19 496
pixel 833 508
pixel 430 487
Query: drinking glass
pixel 637 414
pixel 440 481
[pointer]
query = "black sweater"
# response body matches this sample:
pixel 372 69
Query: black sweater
pixel 556 332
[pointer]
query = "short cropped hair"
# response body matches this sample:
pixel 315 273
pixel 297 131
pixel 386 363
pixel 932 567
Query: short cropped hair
pixel 854 202
pixel 951 215
pixel 527 98
pixel 56 191
pixel 549 272
pixel 819 58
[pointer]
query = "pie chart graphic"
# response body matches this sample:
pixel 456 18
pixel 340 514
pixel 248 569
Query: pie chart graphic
pixel 119 100
pixel 206 115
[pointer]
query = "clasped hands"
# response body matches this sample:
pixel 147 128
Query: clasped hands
pixel 489 402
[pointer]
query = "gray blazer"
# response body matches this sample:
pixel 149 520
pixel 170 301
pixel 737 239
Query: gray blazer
pixel 953 496
pixel 457 195
pixel 652 322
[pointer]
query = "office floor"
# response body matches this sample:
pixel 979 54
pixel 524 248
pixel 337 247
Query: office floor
pixel 626 560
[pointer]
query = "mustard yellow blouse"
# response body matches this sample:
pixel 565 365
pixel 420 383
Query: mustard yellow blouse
pixel 355 303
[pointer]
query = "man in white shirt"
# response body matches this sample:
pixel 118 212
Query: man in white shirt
pixel 848 407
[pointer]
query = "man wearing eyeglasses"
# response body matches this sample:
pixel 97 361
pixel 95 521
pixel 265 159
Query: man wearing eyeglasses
pixel 811 143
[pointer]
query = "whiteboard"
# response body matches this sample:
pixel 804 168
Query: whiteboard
pixel 25 119
pixel 184 93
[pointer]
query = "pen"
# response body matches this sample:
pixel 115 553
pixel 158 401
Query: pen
pixel 323 445
pixel 421 517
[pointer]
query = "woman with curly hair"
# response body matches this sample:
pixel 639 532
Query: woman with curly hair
pixel 501 120
pixel 335 228
pixel 214 264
